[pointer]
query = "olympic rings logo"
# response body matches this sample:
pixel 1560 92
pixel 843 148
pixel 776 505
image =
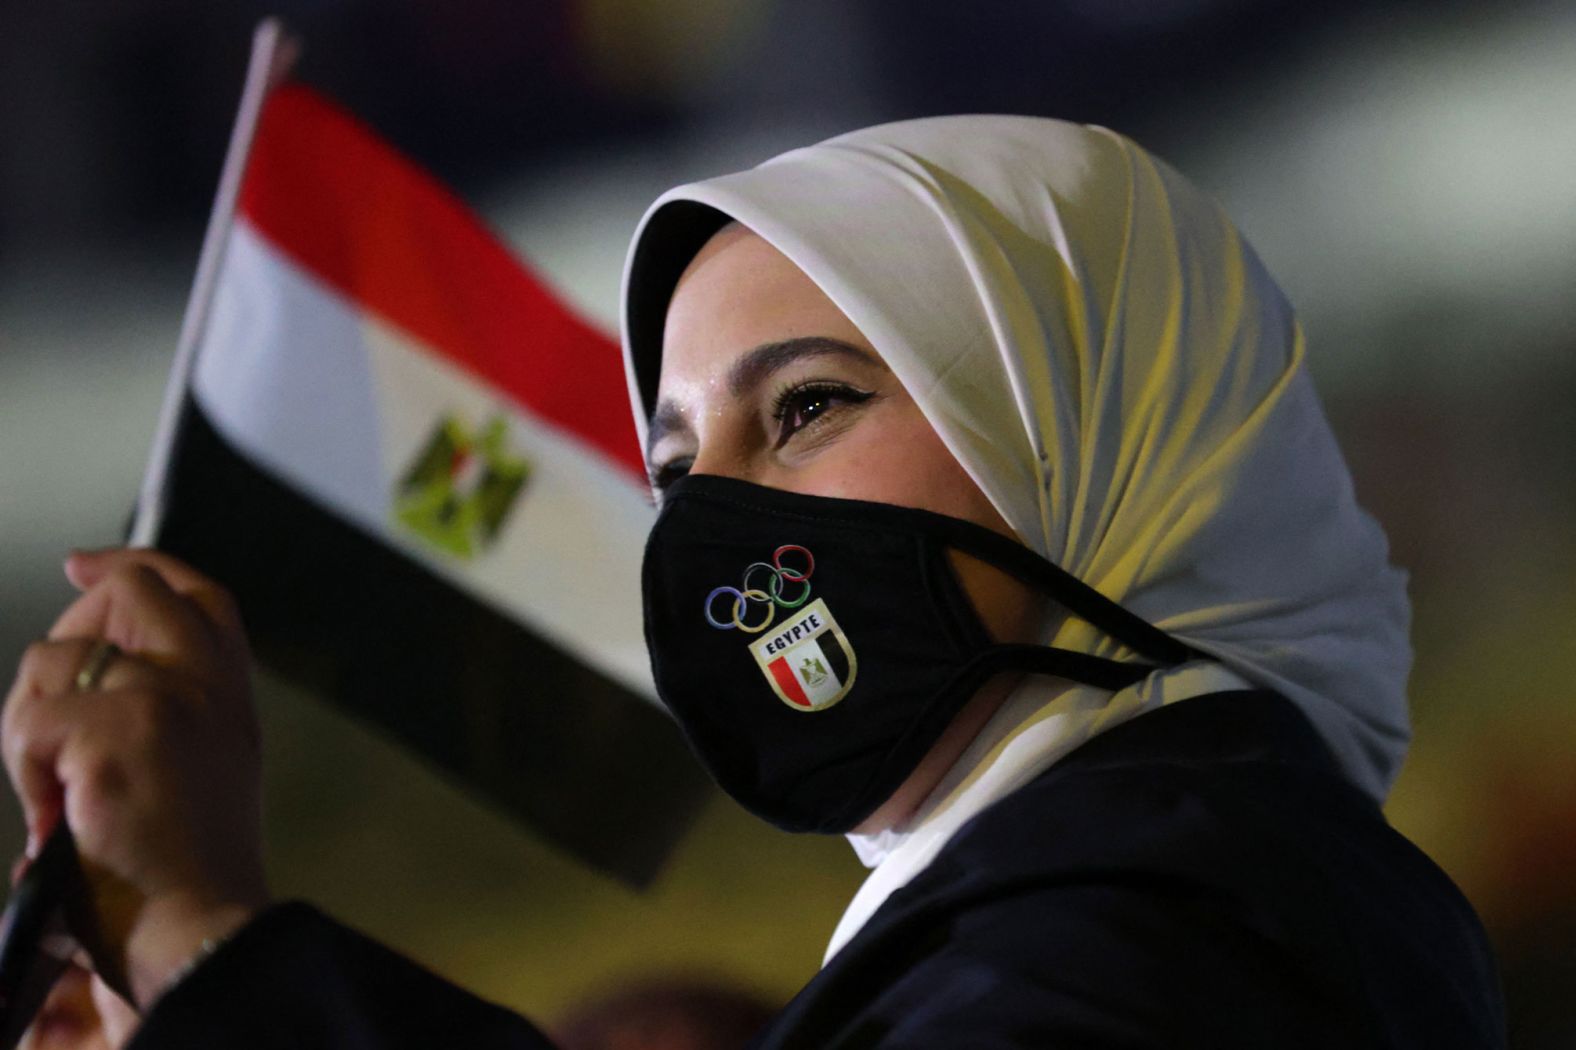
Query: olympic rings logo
pixel 770 599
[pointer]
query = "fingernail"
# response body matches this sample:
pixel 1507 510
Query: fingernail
pixel 74 563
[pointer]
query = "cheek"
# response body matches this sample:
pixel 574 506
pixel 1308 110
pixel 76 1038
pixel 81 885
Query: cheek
pixel 903 461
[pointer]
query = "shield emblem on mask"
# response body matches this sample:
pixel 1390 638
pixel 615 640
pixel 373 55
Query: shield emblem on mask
pixel 807 659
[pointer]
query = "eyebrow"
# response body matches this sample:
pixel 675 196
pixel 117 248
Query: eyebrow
pixel 753 368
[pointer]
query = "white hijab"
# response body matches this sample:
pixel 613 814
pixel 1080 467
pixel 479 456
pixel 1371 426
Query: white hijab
pixel 1108 359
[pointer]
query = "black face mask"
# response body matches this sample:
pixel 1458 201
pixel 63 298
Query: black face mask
pixel 814 649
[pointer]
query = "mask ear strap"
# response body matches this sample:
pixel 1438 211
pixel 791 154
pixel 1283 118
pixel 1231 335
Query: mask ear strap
pixel 1078 597
pixel 1092 670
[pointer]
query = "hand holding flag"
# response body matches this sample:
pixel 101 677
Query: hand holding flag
pixel 157 767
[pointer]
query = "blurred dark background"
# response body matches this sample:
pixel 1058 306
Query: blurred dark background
pixel 1403 167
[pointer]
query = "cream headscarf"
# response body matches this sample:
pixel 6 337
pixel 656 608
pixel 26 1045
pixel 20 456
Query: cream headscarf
pixel 1107 358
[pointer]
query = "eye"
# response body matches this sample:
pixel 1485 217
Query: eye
pixel 805 404
pixel 667 473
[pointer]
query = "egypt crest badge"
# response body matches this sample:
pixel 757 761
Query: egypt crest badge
pixel 805 658
pixel 461 487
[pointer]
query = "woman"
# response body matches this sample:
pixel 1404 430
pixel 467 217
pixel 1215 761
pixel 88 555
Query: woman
pixel 1001 528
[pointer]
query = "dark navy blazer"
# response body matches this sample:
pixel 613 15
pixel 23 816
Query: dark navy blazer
pixel 1201 876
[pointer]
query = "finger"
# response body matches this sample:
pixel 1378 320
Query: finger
pixel 136 609
pixel 67 1016
pixel 33 731
pixel 117 1017
pixel 46 670
pixel 33 728
pixel 44 710
pixel 43 801
pixel 85 568
pixel 50 668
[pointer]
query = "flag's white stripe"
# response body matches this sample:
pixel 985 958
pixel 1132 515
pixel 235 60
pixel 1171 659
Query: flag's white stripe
pixel 568 559
pixel 339 403
pixel 283 373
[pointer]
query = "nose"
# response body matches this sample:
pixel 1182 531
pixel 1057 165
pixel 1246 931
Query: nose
pixel 723 449
pixel 722 462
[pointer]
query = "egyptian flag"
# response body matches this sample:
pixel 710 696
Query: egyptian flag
pixel 416 469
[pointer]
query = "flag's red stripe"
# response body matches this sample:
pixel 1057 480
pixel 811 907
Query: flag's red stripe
pixel 328 192
pixel 790 685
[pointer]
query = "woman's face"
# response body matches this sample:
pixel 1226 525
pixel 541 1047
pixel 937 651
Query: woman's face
pixel 765 380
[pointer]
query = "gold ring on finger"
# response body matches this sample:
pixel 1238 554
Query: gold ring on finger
pixel 99 658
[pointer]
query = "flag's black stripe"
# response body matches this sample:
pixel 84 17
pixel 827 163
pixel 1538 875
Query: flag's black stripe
pixel 562 747
pixel 835 657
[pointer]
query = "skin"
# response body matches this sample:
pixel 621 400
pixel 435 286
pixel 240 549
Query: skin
pixel 765 380
pixel 81 1013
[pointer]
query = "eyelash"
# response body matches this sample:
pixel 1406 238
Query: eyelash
pixel 787 399
pixel 668 473
pixel 802 394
